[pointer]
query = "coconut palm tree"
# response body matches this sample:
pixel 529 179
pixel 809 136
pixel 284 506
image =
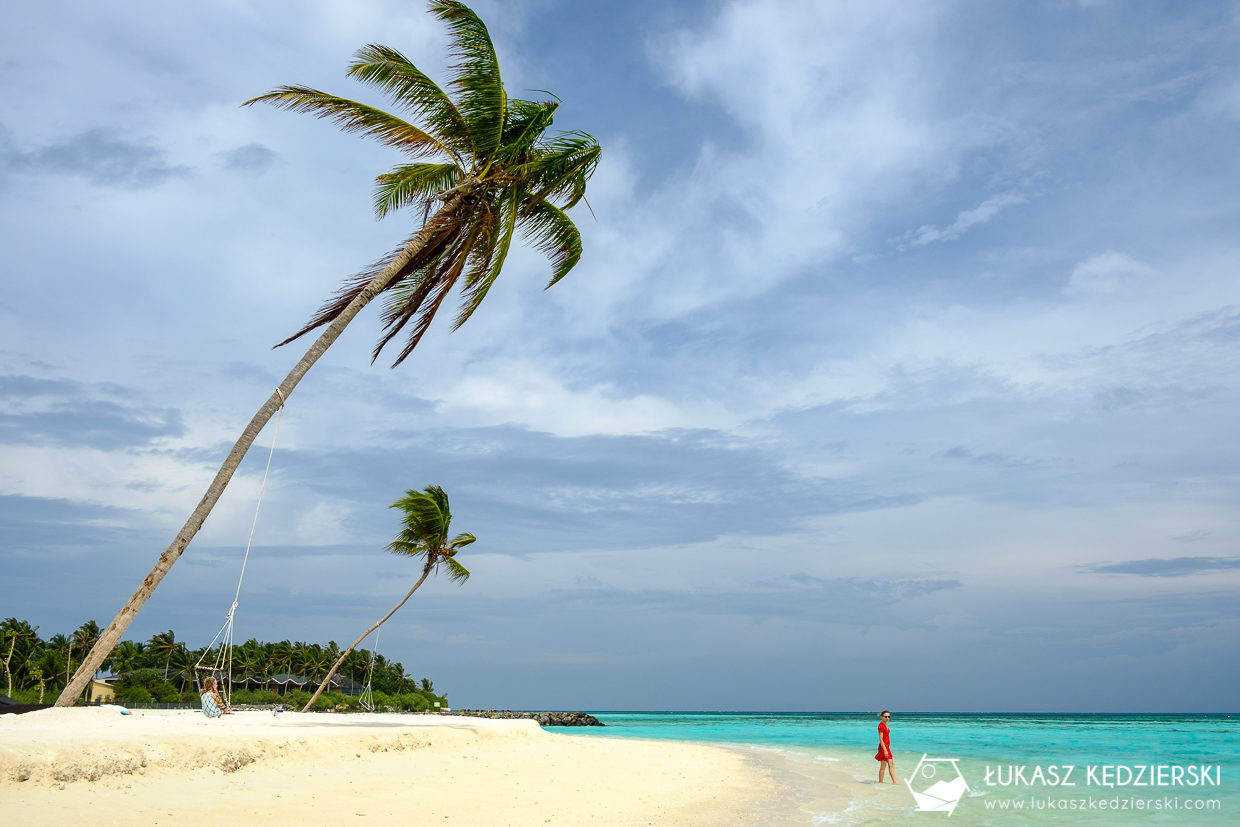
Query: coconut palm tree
pixel 248 662
pixel 163 646
pixel 128 657
pixel 21 637
pixel 425 534
pixel 320 660
pixel 36 674
pixel 52 662
pixel 356 663
pixel 62 645
pixel 84 639
pixel 282 656
pixel 481 170
pixel 299 662
pixel 182 662
pixel 86 635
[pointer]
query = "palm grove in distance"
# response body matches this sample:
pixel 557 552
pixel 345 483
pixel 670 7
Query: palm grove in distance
pixel 161 670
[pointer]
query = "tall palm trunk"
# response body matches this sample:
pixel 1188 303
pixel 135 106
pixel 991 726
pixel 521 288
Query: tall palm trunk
pixel 7 672
pixel 425 573
pixel 112 635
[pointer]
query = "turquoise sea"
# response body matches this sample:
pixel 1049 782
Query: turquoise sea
pixel 817 756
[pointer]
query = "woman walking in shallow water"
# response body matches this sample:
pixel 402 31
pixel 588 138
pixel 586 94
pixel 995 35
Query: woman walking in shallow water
pixel 884 757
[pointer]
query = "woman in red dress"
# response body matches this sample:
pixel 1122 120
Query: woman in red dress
pixel 884 757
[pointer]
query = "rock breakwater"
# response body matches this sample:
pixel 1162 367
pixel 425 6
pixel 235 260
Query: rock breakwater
pixel 543 718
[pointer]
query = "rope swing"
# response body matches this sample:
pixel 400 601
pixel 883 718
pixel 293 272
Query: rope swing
pixel 220 667
pixel 367 700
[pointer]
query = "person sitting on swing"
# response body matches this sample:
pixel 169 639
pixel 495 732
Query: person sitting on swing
pixel 213 705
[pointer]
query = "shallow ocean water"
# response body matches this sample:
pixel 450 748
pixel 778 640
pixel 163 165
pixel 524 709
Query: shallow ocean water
pixel 798 746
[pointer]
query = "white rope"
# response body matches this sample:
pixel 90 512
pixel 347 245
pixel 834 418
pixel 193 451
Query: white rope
pixel 224 657
pixel 367 700
pixel 261 490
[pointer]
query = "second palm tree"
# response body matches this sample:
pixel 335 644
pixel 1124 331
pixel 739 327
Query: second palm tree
pixel 425 534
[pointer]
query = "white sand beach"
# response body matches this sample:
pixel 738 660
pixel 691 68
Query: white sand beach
pixel 96 766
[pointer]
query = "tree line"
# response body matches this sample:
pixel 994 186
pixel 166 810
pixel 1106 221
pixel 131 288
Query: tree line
pixel 162 669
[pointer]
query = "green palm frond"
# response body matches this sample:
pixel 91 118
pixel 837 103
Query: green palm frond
pixel 462 540
pixel 447 230
pixel 480 257
pixel 408 548
pixel 489 157
pixel 426 517
pixel 440 498
pixel 456 572
pixel 392 72
pixel 352 116
pixel 527 121
pixel 425 524
pixel 562 168
pixel 420 298
pixel 475 76
pixel 473 293
pixel 412 184
pixel 555 235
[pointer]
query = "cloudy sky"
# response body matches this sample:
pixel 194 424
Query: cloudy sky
pixel 901 370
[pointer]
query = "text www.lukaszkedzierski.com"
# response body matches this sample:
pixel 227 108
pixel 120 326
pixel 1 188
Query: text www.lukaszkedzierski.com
pixel 1165 803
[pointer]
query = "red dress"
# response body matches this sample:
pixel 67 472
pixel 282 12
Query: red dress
pixel 884 743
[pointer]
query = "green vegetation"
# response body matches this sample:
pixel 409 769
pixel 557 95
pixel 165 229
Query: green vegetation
pixel 147 686
pixel 161 670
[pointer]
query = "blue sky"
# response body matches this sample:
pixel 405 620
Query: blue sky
pixel 901 370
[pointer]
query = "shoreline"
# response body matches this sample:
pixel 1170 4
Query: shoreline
pixel 62 765
pixel 814 785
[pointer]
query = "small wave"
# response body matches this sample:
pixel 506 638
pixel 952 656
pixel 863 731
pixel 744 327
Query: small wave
pixel 761 748
pixel 824 758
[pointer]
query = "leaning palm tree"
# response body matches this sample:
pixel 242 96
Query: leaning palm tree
pixel 481 169
pixel 425 534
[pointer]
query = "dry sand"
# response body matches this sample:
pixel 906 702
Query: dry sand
pixel 98 767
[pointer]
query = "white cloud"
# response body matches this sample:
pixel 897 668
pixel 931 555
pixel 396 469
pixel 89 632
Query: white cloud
pixel 966 220
pixel 1107 272
pixel 534 399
